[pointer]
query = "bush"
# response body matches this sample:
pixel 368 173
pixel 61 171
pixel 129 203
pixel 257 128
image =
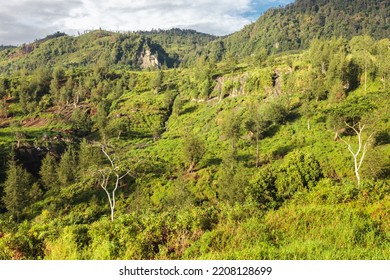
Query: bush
pixel 262 190
pixel 298 172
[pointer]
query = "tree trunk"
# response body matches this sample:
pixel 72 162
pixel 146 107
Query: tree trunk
pixel 365 77
pixel 357 177
pixel 257 151
pixel 191 167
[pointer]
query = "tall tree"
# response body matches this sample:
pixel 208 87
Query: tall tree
pixel 383 61
pixel 67 168
pixel 48 172
pixel 16 188
pixel 362 52
pixel 256 124
pixel 156 81
pixel 231 128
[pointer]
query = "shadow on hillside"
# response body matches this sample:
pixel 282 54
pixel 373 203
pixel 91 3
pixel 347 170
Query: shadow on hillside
pixel 213 161
pixel 292 116
pixel 281 152
pixel 188 110
pixel 244 158
pixel 271 131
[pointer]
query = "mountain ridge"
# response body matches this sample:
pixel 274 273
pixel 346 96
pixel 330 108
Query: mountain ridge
pixel 280 29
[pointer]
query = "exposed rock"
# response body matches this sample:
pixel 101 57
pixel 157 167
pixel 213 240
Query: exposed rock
pixel 148 60
pixel 277 82
pixel 237 88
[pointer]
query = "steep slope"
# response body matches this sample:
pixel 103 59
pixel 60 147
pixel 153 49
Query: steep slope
pixel 294 26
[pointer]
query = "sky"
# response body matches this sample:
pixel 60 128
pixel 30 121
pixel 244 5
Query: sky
pixel 23 21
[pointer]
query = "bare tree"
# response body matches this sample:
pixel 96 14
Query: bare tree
pixel 361 151
pixel 118 171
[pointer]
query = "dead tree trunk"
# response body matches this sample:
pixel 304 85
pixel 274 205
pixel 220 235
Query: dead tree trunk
pixel 105 175
pixel 361 151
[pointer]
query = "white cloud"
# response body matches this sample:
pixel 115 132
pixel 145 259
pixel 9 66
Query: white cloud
pixel 26 20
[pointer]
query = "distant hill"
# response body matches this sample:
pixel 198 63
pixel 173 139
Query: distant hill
pixel 6 47
pixel 178 42
pixel 131 50
pixel 294 26
pixel 134 50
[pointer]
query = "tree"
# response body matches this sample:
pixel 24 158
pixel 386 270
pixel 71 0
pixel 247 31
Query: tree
pixel 355 114
pixel 321 53
pixel 260 56
pixel 67 168
pixel 383 47
pixel 81 122
pixel 55 83
pixel 362 49
pixel 3 88
pixel 16 188
pixel 275 111
pixel 231 128
pixel 88 154
pixel 178 105
pixel 203 77
pixel 156 81
pixel 193 151
pixel 117 127
pixel 101 119
pixel 3 109
pixel 359 154
pixel 48 172
pixel 79 93
pixel 256 124
pixel 115 169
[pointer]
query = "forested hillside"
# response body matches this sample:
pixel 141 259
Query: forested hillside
pixel 273 156
pixel 294 26
pixel 132 50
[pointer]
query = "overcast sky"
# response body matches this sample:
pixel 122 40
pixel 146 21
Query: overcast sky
pixel 23 21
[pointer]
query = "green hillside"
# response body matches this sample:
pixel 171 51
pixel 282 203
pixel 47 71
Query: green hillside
pixel 294 26
pixel 285 157
pixel 132 50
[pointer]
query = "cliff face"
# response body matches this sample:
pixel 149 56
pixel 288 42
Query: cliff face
pixel 148 60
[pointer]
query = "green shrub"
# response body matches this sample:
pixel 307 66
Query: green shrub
pixel 262 190
pixel 298 172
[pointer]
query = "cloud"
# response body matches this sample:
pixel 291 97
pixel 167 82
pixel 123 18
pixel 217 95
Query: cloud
pixel 26 20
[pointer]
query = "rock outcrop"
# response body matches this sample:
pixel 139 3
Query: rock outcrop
pixel 148 60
